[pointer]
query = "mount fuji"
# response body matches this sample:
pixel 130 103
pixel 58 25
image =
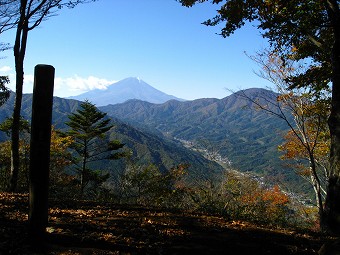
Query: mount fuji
pixel 126 89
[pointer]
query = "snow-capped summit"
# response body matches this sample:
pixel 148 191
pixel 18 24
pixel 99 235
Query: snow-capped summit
pixel 121 91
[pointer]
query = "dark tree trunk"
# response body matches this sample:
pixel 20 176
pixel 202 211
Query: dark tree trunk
pixel 15 157
pixel 19 56
pixel 83 173
pixel 332 203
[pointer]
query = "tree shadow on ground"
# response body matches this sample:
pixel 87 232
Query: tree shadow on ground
pixel 87 227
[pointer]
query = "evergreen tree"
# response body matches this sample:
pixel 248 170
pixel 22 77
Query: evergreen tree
pixel 4 91
pixel 88 127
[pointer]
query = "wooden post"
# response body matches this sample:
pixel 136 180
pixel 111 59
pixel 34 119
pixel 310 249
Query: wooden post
pixel 40 150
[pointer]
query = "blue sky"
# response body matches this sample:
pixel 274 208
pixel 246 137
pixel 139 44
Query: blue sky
pixel 160 41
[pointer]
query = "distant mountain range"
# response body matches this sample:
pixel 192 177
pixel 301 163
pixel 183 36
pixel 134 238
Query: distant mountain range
pixel 121 91
pixel 241 135
pixel 147 148
pixel 174 132
pixel 249 138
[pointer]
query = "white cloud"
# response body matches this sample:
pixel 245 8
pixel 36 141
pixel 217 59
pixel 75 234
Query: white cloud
pixel 65 87
pixel 75 85
pixel 5 69
pixel 28 83
pixel 29 79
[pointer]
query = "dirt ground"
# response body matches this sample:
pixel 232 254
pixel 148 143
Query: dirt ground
pixel 95 228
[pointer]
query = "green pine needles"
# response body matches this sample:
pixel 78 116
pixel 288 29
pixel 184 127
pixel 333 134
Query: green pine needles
pixel 88 128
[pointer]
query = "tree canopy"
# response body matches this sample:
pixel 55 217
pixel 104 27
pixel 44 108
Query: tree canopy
pixel 298 30
pixel 302 30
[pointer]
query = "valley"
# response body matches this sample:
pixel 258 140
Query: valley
pixel 208 134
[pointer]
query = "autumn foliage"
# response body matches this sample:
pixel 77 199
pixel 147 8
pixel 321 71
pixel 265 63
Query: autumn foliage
pixel 247 199
pixel 235 196
pixel 61 183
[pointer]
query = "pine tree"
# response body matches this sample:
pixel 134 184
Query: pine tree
pixel 4 91
pixel 88 127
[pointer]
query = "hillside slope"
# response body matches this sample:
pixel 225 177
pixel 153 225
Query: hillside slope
pixel 147 148
pixel 249 137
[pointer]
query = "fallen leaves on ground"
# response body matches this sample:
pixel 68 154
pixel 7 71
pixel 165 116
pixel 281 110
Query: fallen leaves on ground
pixel 87 227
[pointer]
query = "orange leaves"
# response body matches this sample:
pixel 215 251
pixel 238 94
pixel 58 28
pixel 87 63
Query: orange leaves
pixel 313 139
pixel 275 196
pixel 270 204
pixel 59 144
pixel 248 199
pixel 271 198
pixel 309 137
pixel 292 147
pixel 59 159
pixel 59 149
pixel 285 97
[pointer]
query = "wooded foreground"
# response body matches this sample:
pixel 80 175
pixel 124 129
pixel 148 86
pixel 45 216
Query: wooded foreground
pixel 87 227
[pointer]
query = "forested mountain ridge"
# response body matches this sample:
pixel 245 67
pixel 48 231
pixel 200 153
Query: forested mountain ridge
pixel 249 137
pixel 147 148
pixel 232 127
